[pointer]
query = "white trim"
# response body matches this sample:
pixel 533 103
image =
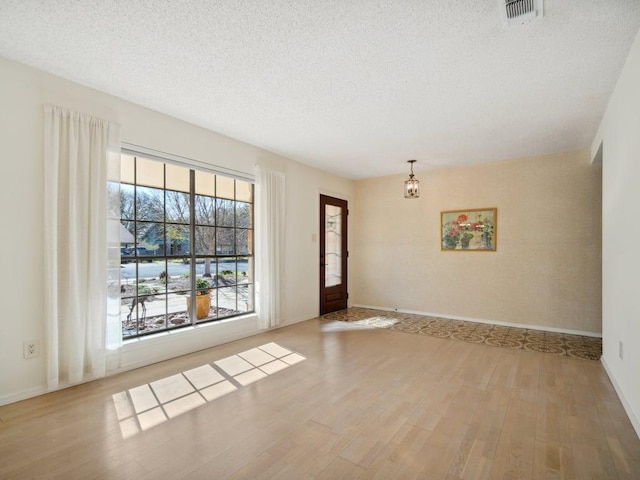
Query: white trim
pixel 288 323
pixel 490 322
pixel 42 390
pixel 186 162
pixel 626 405
pixel 299 319
pixel 143 351
pixel 23 395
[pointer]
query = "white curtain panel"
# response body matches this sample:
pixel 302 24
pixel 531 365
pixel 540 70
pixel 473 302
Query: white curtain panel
pixel 114 233
pixel 77 149
pixel 270 233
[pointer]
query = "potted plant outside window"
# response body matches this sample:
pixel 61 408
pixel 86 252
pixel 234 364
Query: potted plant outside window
pixel 203 299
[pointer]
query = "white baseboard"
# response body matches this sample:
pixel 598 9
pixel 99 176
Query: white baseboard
pixel 300 318
pixel 23 395
pixel 490 322
pixel 627 407
pixel 144 351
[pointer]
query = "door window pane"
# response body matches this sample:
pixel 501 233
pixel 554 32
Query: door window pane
pixel 333 246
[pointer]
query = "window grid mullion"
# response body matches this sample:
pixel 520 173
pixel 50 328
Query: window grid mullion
pixel 163 257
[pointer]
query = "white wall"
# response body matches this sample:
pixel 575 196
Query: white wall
pixel 24 91
pixel 619 134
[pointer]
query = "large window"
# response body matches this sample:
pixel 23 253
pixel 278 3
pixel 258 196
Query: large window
pixel 186 246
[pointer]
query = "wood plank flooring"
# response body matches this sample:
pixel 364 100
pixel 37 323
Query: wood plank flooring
pixel 366 403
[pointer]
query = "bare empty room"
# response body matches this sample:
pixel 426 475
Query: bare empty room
pixel 320 239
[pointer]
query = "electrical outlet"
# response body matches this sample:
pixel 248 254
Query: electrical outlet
pixel 620 349
pixel 31 348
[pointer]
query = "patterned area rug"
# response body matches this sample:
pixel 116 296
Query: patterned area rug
pixel 578 346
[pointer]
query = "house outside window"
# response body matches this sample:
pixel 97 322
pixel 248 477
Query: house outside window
pixel 186 246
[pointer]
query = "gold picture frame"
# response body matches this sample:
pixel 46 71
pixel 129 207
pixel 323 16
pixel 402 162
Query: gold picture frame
pixel 470 230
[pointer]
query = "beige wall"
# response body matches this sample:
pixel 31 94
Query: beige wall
pixel 546 270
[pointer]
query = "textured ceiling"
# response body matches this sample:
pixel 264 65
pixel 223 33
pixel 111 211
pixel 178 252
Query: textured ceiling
pixel 352 87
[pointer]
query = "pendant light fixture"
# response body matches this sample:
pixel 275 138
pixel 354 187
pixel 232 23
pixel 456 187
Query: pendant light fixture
pixel 411 186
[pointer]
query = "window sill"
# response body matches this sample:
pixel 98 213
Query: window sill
pixel 141 351
pixel 185 331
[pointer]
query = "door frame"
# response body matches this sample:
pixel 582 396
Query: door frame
pixel 325 200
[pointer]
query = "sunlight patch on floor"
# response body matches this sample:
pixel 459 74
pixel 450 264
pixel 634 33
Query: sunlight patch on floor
pixel 146 406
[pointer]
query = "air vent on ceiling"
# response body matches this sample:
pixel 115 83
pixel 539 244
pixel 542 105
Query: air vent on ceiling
pixel 518 12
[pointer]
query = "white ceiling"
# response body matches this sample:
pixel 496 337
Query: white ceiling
pixel 354 87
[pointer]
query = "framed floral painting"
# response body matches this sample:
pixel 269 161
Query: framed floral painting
pixel 469 230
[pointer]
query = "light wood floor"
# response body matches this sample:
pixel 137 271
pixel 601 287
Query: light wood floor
pixel 366 403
